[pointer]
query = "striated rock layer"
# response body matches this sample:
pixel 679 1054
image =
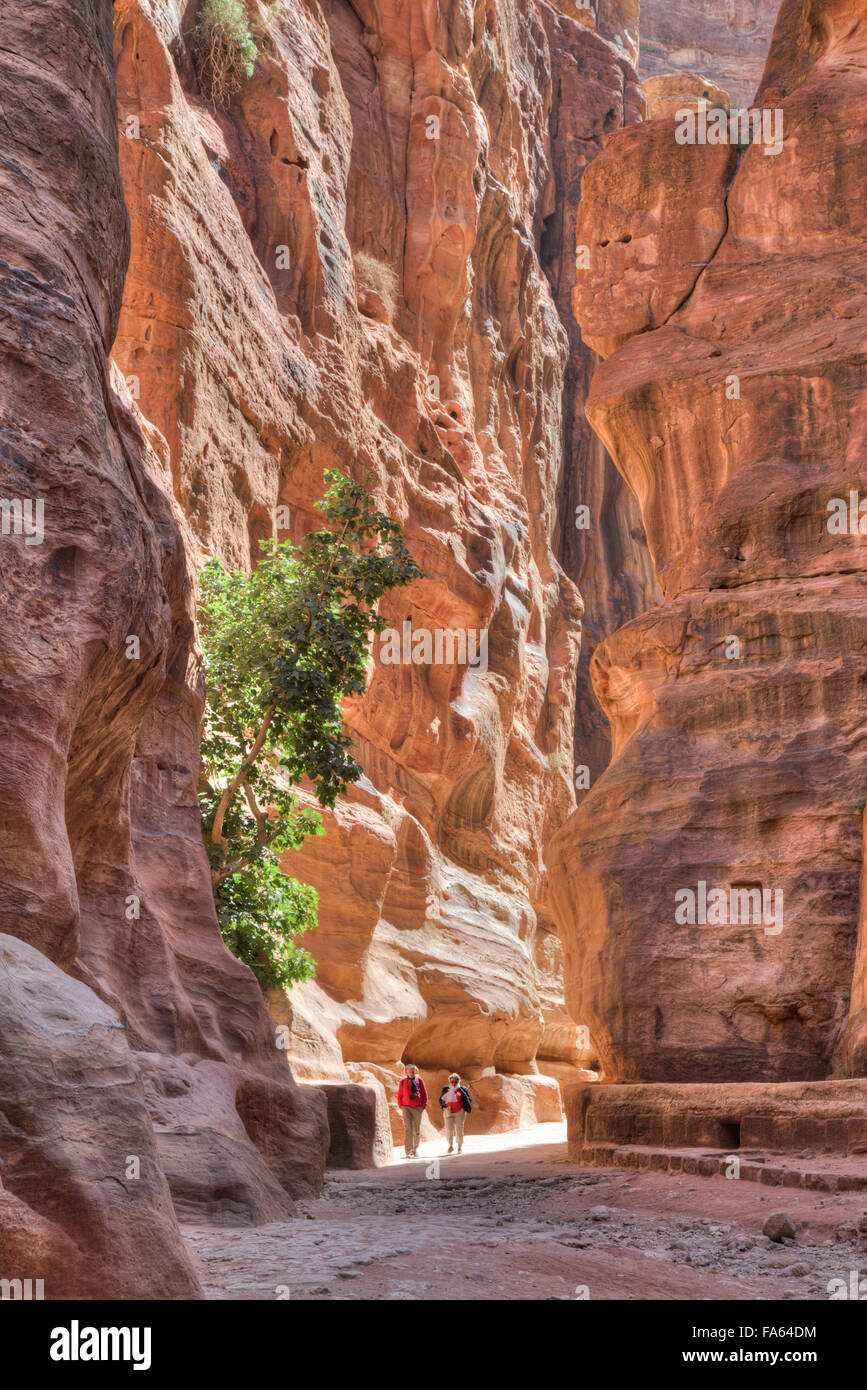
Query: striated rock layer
pixel 135 1047
pixel 726 290
pixel 726 42
pixel 830 1116
pixel 349 266
pixel 602 548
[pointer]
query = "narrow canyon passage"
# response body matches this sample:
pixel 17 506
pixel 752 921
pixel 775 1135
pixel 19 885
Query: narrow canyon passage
pixel 438 424
pixel 511 1218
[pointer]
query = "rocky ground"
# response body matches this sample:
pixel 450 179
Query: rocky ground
pixel 511 1218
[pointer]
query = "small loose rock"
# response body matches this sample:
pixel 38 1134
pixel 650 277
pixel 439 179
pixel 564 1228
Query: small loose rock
pixel 779 1226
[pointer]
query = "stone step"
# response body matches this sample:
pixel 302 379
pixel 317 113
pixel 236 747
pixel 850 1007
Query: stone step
pixel 837 1174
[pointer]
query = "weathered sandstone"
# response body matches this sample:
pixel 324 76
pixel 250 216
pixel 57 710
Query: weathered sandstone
pixel 358 1123
pixel 85 1205
pixel 732 402
pixel 726 41
pixel 361 262
pixel 673 92
pixel 104 878
pixel 596 93
pixel 820 1116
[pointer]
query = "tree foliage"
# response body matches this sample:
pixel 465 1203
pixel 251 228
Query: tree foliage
pixel 282 648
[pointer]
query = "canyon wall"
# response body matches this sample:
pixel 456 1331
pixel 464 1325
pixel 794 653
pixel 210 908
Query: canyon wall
pixel 725 42
pixel 138 1056
pixel 456 924
pixel 365 260
pixel 602 548
pixel 725 291
pixel 362 262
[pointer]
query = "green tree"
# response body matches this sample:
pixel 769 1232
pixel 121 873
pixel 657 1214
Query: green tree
pixel 282 647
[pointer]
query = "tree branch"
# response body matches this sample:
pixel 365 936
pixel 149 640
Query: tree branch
pixel 228 794
pixel 260 817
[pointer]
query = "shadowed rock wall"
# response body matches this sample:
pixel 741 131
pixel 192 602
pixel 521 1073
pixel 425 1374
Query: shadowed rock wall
pixel 131 1037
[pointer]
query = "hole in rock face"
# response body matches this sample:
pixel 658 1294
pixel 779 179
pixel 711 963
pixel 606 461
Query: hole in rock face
pixel 273 142
pixel 730 1135
pixel 64 563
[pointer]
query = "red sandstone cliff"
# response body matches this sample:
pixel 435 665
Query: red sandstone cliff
pixel 312 281
pixel 350 265
pixel 135 1048
pixel 725 289
pixel 602 549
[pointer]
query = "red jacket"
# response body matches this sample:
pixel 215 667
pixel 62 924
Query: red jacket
pixel 405 1099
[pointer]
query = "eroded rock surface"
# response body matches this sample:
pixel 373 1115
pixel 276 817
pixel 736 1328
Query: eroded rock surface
pixel 103 875
pixel 85 1205
pixel 671 93
pixel 726 42
pixel 350 266
pixel 601 544
pixel 732 400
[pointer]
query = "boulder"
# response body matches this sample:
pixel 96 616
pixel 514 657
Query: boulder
pixel 358 1124
pixel 85 1204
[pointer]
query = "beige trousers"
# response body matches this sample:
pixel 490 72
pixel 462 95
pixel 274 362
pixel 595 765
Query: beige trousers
pixel 411 1127
pixel 455 1126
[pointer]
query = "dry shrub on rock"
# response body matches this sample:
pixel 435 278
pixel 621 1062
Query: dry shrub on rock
pixel 224 49
pixel 380 278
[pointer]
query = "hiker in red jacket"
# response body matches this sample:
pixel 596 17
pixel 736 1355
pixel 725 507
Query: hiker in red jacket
pixel 411 1101
pixel 456 1105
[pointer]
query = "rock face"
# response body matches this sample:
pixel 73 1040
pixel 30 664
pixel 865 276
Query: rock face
pixel 358 1121
pixel 724 289
pixel 117 986
pixel 602 548
pixel 74 1211
pixel 824 1116
pixel 360 263
pixel 437 918
pixel 673 92
pixel 366 261
pixel 726 42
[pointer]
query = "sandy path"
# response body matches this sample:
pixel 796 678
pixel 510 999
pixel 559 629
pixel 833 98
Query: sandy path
pixel 511 1218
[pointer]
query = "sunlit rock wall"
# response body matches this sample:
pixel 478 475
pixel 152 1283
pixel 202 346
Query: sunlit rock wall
pixel 725 291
